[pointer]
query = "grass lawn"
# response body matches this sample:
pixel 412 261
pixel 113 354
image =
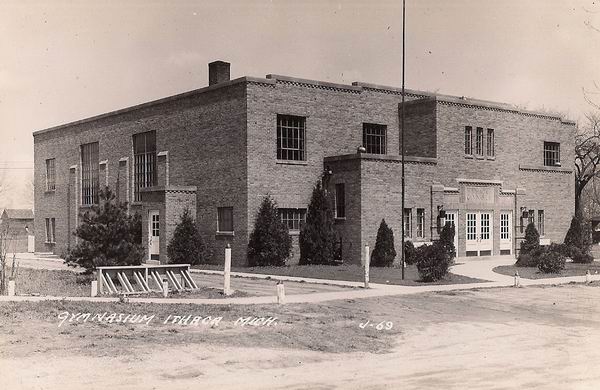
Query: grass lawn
pixel 571 269
pixel 67 283
pixel 347 272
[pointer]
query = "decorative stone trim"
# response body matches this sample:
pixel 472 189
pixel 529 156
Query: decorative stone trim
pixel 540 168
pixel 481 182
pixel 315 84
pixel 451 190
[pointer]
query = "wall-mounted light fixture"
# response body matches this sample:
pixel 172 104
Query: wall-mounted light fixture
pixel 441 217
pixel 361 149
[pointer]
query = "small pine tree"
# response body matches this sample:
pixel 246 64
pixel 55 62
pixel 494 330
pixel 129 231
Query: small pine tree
pixel 384 252
pixel 530 248
pixel 317 238
pixel 186 246
pixel 270 242
pixel 108 236
pixel 574 236
pixel 447 240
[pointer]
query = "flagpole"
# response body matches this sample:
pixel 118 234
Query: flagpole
pixel 402 128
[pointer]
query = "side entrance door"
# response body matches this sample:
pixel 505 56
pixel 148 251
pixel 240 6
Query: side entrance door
pixel 479 233
pixel 452 217
pixel 153 235
pixel 506 232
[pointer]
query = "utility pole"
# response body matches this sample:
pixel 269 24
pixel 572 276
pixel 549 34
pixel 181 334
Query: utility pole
pixel 402 129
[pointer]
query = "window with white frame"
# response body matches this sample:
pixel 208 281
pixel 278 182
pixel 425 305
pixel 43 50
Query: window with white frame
pixel 225 219
pixel 468 140
pixel 291 143
pixel 90 169
pixel 420 223
pixel 407 222
pixel 144 162
pixel 293 218
pixel 540 222
pixel 551 154
pixel 50 230
pixel 479 142
pixel 491 149
pixel 374 138
pixel 50 174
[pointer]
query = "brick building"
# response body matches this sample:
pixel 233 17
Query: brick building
pixel 218 150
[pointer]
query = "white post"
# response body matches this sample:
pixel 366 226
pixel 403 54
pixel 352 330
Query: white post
pixel 280 293
pixel 367 265
pixel 227 272
pixel 165 288
pixel 11 288
pixel 94 288
pixel 588 276
pixel 517 279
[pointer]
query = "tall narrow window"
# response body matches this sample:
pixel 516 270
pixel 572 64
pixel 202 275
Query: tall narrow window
pixel 491 150
pixel 468 140
pixel 407 222
pixel 541 222
pixel 225 219
pixel 144 157
pixel 479 142
pixel 293 218
pixel 50 174
pixel 90 169
pixel 50 230
pixel 420 223
pixel 340 200
pixel 374 138
pixel 551 154
pixel 291 138
pixel 531 215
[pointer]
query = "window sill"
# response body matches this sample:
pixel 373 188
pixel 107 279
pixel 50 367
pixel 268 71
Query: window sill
pixel 86 206
pixel 50 243
pixel 340 219
pixel 469 156
pixel 50 191
pixel 292 162
pixel 294 232
pixel 480 157
pixel 225 234
pixel 492 158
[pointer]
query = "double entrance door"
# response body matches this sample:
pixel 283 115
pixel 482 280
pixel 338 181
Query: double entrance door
pixel 479 233
pixel 479 238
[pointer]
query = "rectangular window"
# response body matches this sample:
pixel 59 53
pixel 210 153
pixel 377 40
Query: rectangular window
pixel 340 200
pixel 551 154
pixel 504 226
pixel 293 218
pixel 374 138
pixel 50 230
pixel 491 150
pixel 90 170
pixel 407 222
pixel 291 138
pixel 531 215
pixel 468 140
pixel 50 174
pixel 479 142
pixel 144 162
pixel 541 222
pixel 420 223
pixel 225 219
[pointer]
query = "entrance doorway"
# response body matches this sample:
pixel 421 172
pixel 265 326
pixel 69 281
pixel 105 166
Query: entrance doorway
pixel 506 230
pixel 452 217
pixel 153 235
pixel 479 233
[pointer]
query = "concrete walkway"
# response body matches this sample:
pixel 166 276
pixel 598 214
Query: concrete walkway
pixel 481 269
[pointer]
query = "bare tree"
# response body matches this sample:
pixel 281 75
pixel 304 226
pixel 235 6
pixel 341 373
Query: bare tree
pixel 587 156
pixel 6 241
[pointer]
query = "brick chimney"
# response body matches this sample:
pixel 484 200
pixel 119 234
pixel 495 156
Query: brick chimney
pixel 218 72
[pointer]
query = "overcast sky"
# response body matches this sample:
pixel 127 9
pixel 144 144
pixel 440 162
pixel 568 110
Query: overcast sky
pixel 62 61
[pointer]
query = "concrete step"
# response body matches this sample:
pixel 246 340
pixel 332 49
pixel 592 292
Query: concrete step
pixel 46 255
